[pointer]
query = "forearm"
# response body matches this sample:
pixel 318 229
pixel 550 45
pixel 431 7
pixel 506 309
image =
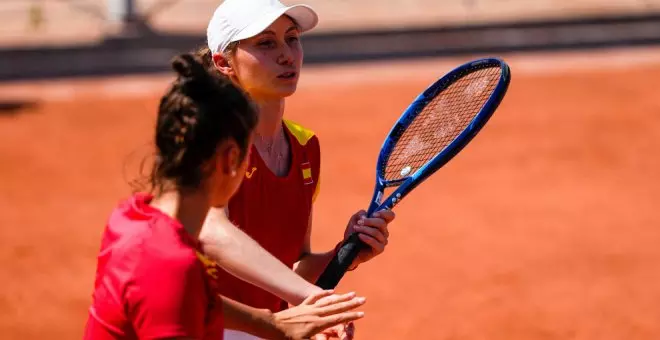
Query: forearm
pixel 241 256
pixel 258 322
pixel 311 265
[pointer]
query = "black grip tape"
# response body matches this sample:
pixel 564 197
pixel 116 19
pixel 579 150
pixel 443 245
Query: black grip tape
pixel 340 262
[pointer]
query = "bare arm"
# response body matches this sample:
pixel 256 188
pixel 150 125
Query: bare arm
pixel 311 265
pixel 241 256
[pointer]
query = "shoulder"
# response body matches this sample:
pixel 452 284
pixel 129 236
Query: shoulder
pixel 307 140
pixel 303 135
pixel 169 265
pixel 168 245
pixel 146 239
pixel 150 249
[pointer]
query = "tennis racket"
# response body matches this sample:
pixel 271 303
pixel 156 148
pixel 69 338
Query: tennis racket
pixel 429 133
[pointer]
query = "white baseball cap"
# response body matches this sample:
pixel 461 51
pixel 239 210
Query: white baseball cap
pixel 236 20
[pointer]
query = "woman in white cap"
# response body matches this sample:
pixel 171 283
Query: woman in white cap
pixel 256 44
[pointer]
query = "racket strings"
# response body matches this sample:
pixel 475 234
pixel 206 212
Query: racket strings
pixel 441 121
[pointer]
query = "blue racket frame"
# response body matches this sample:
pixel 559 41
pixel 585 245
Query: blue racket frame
pixel 350 249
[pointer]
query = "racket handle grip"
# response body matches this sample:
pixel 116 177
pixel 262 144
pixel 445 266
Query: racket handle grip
pixel 340 262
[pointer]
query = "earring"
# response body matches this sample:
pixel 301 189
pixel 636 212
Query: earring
pixel 233 173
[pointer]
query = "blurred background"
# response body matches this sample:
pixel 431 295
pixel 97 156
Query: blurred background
pixel 544 227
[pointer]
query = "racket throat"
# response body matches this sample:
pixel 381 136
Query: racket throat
pixel 375 202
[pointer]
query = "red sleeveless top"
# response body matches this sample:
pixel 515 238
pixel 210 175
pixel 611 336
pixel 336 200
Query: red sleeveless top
pixel 275 211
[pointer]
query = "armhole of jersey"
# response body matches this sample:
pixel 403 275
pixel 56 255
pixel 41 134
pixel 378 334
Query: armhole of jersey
pixel 303 136
pixel 317 181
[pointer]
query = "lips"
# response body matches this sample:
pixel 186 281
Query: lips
pixel 287 75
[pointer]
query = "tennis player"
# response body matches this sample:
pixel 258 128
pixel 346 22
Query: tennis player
pixel 150 282
pixel 256 44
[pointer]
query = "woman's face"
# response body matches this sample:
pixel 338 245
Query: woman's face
pixel 267 66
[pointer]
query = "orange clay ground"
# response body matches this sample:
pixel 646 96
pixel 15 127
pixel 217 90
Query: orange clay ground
pixel 545 227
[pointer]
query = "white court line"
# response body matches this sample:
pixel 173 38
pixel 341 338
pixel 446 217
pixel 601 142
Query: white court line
pixel 329 76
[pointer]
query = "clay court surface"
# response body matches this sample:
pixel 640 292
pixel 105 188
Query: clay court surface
pixel 545 227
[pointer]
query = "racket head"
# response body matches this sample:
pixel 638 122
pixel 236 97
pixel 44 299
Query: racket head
pixel 437 125
pixel 407 179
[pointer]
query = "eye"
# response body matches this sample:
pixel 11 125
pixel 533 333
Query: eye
pixel 292 39
pixel 268 43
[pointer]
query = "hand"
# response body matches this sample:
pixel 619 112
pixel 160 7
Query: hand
pixel 318 312
pixel 343 332
pixel 372 231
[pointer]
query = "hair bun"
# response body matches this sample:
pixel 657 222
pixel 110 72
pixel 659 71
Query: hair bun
pixel 189 66
pixel 193 76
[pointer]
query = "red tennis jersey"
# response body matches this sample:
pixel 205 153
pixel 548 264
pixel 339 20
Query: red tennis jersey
pixel 275 211
pixel 149 281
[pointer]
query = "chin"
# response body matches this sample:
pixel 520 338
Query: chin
pixel 286 92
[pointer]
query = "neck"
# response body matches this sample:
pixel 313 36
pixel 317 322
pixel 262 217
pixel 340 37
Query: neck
pixel 270 117
pixel 189 208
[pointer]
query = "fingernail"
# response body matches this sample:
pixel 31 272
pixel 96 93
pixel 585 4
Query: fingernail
pixel 377 215
pixel 360 314
pixel 361 299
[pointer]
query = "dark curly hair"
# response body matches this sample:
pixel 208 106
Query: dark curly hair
pixel 199 110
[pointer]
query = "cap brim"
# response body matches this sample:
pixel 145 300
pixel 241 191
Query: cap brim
pixel 303 15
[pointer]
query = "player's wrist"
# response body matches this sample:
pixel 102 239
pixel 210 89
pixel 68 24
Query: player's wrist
pixel 279 328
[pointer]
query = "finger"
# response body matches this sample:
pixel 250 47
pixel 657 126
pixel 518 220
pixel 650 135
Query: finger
pixel 333 332
pixel 357 216
pixel 340 307
pixel 333 320
pixel 314 297
pixel 387 215
pixel 373 232
pixel 381 224
pixel 341 331
pixel 377 223
pixel 332 299
pixel 349 332
pixel 376 246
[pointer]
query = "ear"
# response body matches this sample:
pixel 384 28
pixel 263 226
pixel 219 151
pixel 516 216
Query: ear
pixel 229 159
pixel 222 64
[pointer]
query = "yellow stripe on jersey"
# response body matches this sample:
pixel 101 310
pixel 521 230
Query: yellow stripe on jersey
pixel 317 189
pixel 302 134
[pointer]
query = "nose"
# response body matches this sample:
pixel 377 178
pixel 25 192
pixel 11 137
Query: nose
pixel 287 57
